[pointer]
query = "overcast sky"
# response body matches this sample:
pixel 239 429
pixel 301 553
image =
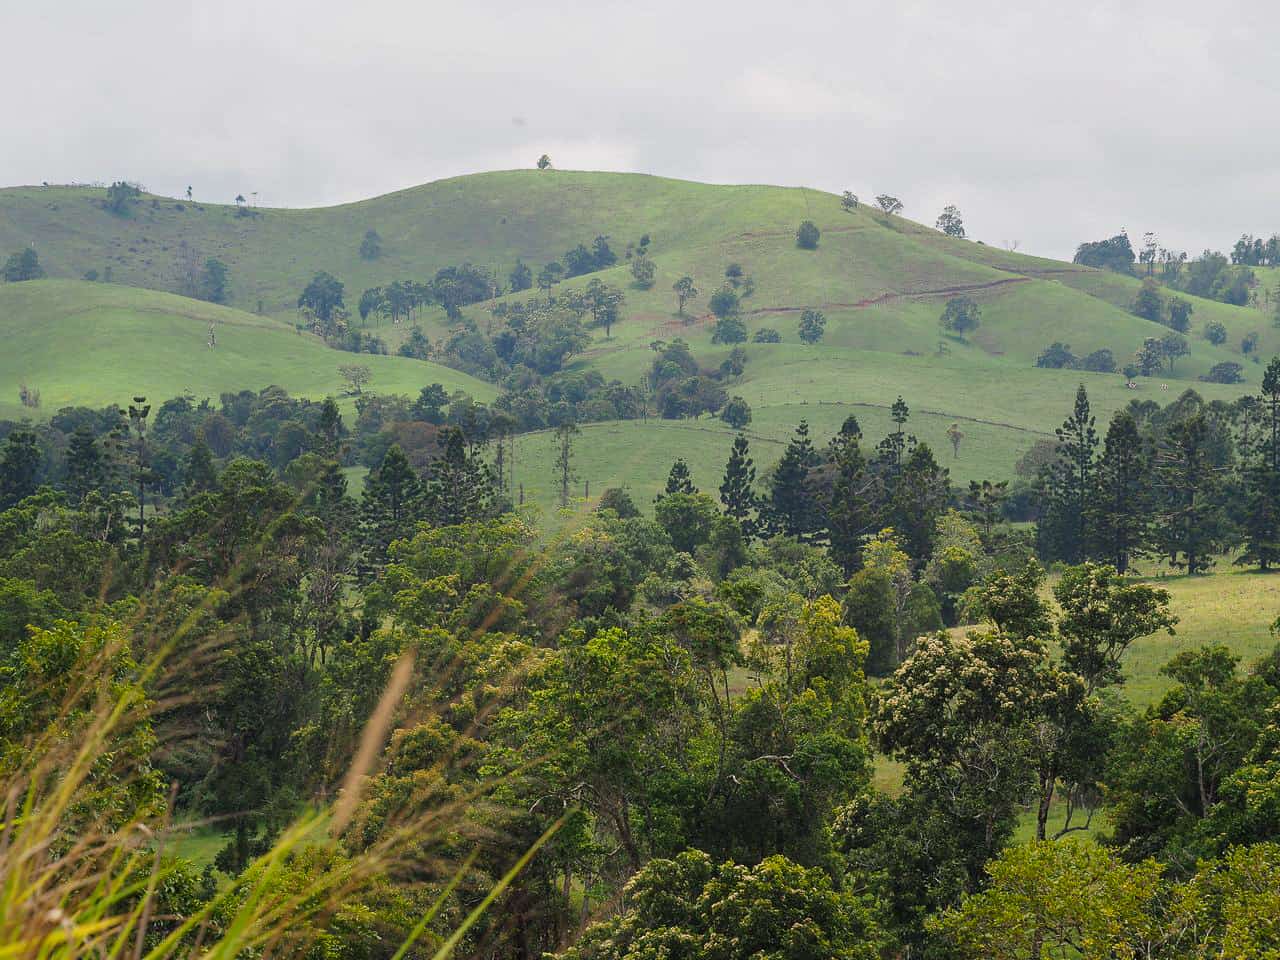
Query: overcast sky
pixel 1046 123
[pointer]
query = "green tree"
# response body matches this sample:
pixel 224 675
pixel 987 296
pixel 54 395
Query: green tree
pixel 458 487
pixel 215 281
pixel 690 907
pixel 852 515
pixel 724 303
pixel 793 508
pixel 848 201
pixel 521 277
pixel 729 329
pixel 1192 525
pixel 643 271
pixel 1172 346
pixel 1120 523
pixel 370 245
pixel 1215 332
pixel 86 466
pixel 1261 523
pixel 562 441
pixel 121 196
pixel 19 467
pixel 812 326
pixel 736 413
pixel 687 518
pixel 389 507
pixel 950 222
pixel 807 236
pixel 1180 311
pixel 960 316
pixel 1149 304
pixel 1149 357
pixel 1069 487
pixel 544 162
pixel 685 291
pixel 23 265
pixel 323 295
pixel 888 204
pixel 679 479
pixel 737 490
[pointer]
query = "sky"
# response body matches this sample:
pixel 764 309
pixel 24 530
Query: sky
pixel 1047 124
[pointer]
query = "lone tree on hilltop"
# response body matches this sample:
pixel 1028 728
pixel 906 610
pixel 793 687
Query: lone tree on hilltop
pixel 121 196
pixel 544 162
pixel 849 201
pixel 950 222
pixel 961 315
pixel 807 236
pixel 889 204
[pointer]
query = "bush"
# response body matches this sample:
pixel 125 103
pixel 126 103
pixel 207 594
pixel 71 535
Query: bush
pixel 1058 356
pixel 812 326
pixel 767 335
pixel 1225 372
pixel 724 303
pixel 1215 332
pixel 729 329
pixel 807 236
pixel 1100 361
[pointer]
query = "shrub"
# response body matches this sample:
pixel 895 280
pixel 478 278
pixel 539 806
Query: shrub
pixel 767 335
pixel 1100 361
pixel 1225 372
pixel 1215 332
pixel 807 236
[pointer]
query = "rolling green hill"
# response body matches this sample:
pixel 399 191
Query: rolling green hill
pixel 96 343
pixel 881 281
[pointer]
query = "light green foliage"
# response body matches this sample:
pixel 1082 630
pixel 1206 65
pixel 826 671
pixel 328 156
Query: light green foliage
pixel 690 907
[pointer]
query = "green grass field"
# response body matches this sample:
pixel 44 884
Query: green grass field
pixel 96 344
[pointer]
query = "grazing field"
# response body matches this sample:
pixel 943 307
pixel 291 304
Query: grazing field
pixel 96 344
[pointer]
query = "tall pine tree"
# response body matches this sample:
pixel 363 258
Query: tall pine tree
pixel 679 480
pixel 737 492
pixel 1192 525
pixel 853 512
pixel 1068 488
pixel 1262 479
pixel 459 486
pixel 388 508
pixel 793 507
pixel 86 469
pixel 1121 511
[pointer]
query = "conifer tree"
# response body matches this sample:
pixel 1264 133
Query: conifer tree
pixel 1192 525
pixel 852 514
pixel 737 492
pixel 458 487
pixel 918 498
pixel 679 480
pixel 1068 487
pixel 1262 479
pixel 19 466
pixel 1121 511
pixel 793 507
pixel 892 449
pixel 85 468
pixel 388 507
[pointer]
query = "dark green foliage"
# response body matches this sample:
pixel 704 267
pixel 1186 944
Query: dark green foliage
pixel 1192 525
pixel 1113 254
pixel 23 265
pixel 458 487
pixel 812 326
pixel 766 335
pixel 1180 312
pixel 86 466
pixel 807 236
pixel 793 508
pixel 737 490
pixel 322 296
pixel 521 277
pixel 1064 529
pixel 960 316
pixel 1228 371
pixel 1261 523
pixel 619 501
pixel 1215 332
pixel 19 467
pixel 724 303
pixel 1149 304
pixel 121 196
pixel 1100 361
pixel 736 413
pixel 1120 523
pixel 388 507
pixel 215 284
pixel 370 245
pixel 1058 356
pixel 679 479
pixel 729 329
pixel 871 608
pixel 950 222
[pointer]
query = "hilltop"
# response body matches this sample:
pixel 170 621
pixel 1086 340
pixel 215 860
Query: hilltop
pixel 881 281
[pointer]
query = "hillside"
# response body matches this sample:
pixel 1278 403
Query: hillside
pixel 880 280
pixel 96 343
